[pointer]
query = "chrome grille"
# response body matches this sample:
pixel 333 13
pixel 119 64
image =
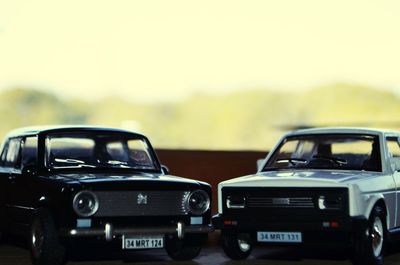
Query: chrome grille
pixel 293 202
pixel 141 203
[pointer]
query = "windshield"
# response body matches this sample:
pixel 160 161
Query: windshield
pixel 93 150
pixel 343 152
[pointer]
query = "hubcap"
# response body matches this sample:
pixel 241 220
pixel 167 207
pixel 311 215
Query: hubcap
pixel 377 237
pixel 243 245
pixel 37 238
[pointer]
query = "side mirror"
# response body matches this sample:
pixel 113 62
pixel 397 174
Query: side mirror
pixel 260 163
pixel 29 170
pixel 395 164
pixel 165 170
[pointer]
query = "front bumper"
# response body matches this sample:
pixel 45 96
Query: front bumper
pixel 315 233
pixel 109 232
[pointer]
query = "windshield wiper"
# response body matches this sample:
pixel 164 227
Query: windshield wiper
pixel 75 163
pixel 69 161
pixel 293 161
pixel 116 163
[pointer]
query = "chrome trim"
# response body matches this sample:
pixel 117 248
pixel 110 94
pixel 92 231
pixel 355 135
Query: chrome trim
pixel 321 203
pixel 20 207
pixel 229 205
pixel 96 203
pixel 187 199
pixel 179 230
pixel 108 232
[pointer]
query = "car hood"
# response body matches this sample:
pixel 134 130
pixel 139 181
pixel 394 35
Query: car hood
pixel 309 178
pixel 125 181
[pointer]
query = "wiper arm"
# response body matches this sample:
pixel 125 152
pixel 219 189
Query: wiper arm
pixel 293 161
pixel 124 164
pixel 69 160
pixel 74 163
pixel 116 163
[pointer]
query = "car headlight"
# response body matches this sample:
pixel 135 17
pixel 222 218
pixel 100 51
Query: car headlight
pixel 197 202
pixel 329 203
pixel 85 203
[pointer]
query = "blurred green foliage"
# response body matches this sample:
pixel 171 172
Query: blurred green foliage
pixel 251 120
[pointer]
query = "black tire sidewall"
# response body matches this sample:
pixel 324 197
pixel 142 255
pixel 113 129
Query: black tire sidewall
pixel 52 252
pixel 364 254
pixel 377 212
pixel 182 249
pixel 231 246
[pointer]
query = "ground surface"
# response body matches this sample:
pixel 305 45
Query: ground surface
pixel 16 254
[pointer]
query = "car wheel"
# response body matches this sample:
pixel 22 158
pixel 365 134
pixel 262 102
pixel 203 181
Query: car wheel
pixel 370 246
pixel 182 249
pixel 234 247
pixel 44 244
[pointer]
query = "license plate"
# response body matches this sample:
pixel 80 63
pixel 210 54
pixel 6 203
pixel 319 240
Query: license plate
pixel 146 242
pixel 280 237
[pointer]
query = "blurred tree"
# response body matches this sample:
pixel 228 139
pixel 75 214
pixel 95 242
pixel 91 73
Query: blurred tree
pixel 252 119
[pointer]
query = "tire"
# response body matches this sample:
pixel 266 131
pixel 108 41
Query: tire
pixel 234 247
pixel 44 244
pixel 182 249
pixel 370 245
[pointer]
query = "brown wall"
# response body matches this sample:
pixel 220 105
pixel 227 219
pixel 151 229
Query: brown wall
pixel 210 166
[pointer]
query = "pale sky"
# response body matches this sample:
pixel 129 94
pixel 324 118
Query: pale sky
pixel 170 49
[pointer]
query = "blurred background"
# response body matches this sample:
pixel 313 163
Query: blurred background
pixel 209 75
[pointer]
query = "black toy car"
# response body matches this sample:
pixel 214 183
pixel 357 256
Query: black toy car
pixel 60 185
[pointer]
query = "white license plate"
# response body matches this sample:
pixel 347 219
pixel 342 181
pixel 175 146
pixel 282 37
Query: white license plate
pixel 280 237
pixel 146 242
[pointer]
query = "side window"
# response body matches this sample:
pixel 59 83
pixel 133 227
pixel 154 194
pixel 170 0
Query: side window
pixel 12 155
pixel 393 147
pixel 116 151
pixel 138 153
pixel 29 151
pixel 4 153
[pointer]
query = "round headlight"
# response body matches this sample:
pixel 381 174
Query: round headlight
pixel 197 202
pixel 85 203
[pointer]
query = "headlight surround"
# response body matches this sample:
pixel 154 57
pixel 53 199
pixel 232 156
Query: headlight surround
pixel 235 202
pixel 330 202
pixel 85 203
pixel 197 202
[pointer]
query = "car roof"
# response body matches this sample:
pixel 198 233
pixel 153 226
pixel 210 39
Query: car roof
pixel 341 130
pixel 35 130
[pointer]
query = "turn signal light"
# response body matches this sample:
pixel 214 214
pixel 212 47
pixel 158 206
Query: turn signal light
pixel 229 222
pixel 332 224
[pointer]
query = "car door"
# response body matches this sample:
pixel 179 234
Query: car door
pixel 393 147
pixel 4 174
pixel 15 190
pixel 20 185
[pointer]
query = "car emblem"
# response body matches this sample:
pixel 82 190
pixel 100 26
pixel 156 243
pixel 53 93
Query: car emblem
pixel 281 201
pixel 142 198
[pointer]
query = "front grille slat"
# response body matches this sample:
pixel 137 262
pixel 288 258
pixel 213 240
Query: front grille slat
pixel 125 203
pixel 272 202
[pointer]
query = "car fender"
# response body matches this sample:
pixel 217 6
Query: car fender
pixel 372 200
pixel 363 199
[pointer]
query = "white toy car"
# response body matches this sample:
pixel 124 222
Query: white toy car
pixel 328 187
